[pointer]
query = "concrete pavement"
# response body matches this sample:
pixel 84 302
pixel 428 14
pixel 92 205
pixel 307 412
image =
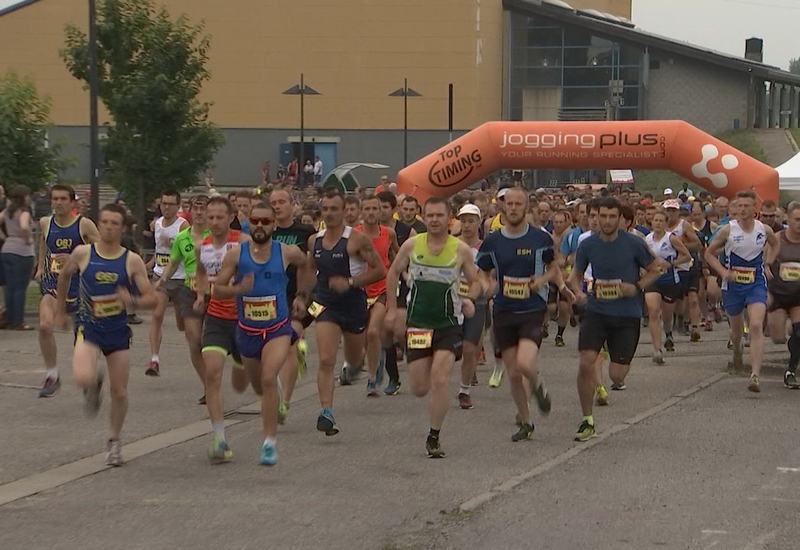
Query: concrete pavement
pixel 372 486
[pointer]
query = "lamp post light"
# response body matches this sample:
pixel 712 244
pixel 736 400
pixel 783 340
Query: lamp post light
pixel 302 90
pixel 405 92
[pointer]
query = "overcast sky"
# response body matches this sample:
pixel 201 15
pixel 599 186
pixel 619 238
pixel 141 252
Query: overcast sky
pixel 724 25
pixel 718 24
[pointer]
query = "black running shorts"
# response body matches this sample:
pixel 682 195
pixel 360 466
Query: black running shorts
pixel 620 334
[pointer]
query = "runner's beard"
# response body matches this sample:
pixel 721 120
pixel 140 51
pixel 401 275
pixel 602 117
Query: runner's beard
pixel 259 235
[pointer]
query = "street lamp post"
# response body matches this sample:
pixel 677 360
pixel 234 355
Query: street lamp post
pixel 405 92
pixel 94 146
pixel 302 90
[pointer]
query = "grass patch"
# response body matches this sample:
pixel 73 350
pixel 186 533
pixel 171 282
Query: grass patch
pixel 795 134
pixel 655 181
pixel 32 297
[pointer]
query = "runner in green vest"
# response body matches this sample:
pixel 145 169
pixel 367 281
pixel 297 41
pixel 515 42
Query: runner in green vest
pixel 183 250
pixel 435 261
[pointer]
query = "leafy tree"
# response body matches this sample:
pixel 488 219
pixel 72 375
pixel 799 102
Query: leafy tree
pixel 794 65
pixel 151 69
pixel 25 157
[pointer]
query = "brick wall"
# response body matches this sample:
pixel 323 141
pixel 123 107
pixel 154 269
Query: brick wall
pixel 702 94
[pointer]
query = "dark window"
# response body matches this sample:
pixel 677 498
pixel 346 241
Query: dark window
pixel 655 64
pixel 533 78
pixel 591 76
pixel 585 97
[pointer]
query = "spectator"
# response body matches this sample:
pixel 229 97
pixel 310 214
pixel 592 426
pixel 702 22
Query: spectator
pixel 41 203
pixel 292 170
pixel 317 170
pixel 17 256
pixel 668 194
pixel 308 174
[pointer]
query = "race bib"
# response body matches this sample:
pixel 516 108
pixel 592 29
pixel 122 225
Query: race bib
pixel 517 288
pixel 162 259
pixel 57 263
pixel 106 306
pixel 744 275
pixel 790 272
pixel 371 301
pixel 608 289
pixel 193 283
pixel 419 338
pixel 463 289
pixel 260 308
pixel 315 309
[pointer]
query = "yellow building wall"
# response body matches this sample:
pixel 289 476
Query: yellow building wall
pixel 355 52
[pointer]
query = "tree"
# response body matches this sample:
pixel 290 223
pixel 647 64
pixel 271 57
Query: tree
pixel 794 65
pixel 25 156
pixel 151 69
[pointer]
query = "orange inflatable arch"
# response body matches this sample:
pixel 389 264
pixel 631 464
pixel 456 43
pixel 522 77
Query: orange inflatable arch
pixel 658 144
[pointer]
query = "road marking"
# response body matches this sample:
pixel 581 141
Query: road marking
pixel 786 470
pixel 25 386
pixel 713 532
pixel 483 498
pixel 90 465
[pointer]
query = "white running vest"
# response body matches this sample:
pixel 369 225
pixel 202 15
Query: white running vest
pixel 165 236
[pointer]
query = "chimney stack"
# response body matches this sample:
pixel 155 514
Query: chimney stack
pixel 754 49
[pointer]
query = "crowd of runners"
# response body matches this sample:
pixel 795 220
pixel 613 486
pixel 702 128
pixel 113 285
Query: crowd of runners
pixel 394 281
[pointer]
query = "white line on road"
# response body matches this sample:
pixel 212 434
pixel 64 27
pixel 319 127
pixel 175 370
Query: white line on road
pixel 785 470
pixel 488 496
pixel 67 473
pixel 24 386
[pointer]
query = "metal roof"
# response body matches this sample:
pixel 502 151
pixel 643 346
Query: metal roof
pixel 7 6
pixel 606 26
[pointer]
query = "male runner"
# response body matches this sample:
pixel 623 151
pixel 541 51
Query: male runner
pixel 435 261
pixel 470 219
pixel 341 258
pixel 219 326
pixel 784 292
pixel 403 232
pixel 109 275
pixel 352 210
pixel 523 262
pixel 62 233
pixel 499 220
pixel 689 278
pixel 290 232
pixel 183 255
pixel 264 335
pixel 745 276
pixel 409 208
pixel 384 240
pixel 560 229
pixel 613 308
pixel 165 228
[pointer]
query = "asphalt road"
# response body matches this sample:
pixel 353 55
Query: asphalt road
pixel 686 458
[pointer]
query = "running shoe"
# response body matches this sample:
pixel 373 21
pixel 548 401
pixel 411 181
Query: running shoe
pixel 585 432
pixel 669 344
pixel 618 386
pixel 465 401
pixel 686 330
pixel 709 326
pixel 93 397
pixel 153 369
pixel 372 389
pixel 434 448
pixel 560 341
pixel 219 452
pixel 754 385
pixel 474 381
pixel 790 380
pixel 283 412
pixel 717 315
pixel 482 357
pixel 134 319
pixel 747 339
pixel 573 321
pixel 496 377
pixel 545 332
pixel 202 400
pixel 543 398
pixel 302 364
pixel 326 422
pixel 730 344
pixel 114 453
pixel 695 335
pixel 601 394
pixel 525 432
pixel 344 376
pixel 646 322
pixel 738 360
pixel 392 387
pixel 658 357
pixel 269 456
pixel 50 386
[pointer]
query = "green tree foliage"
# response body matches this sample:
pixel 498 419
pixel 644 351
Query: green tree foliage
pixel 25 157
pixel 794 65
pixel 151 70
